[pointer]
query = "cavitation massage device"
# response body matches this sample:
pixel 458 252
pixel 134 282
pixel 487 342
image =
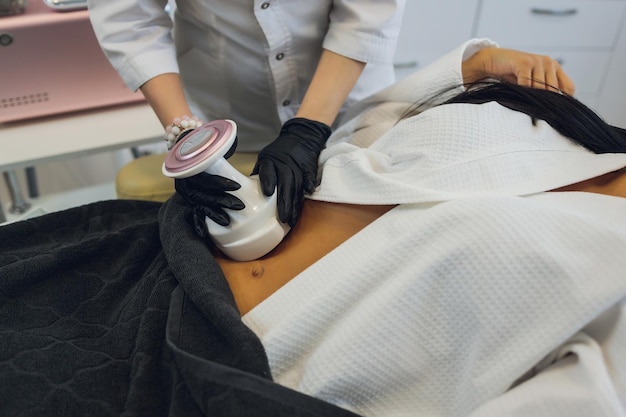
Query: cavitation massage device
pixel 253 231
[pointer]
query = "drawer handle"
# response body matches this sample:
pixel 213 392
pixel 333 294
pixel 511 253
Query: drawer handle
pixel 405 65
pixel 554 12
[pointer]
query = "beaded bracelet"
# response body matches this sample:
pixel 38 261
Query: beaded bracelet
pixel 178 126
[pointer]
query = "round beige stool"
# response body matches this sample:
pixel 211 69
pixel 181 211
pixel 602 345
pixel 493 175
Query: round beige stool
pixel 142 179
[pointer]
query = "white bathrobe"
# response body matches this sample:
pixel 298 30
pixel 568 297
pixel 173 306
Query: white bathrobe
pixel 481 294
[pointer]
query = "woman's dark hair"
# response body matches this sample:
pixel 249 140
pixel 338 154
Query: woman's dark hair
pixel 564 113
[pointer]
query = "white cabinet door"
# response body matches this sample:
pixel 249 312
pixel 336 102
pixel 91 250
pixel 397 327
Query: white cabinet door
pixel 612 103
pixel 588 36
pixel 565 24
pixel 431 28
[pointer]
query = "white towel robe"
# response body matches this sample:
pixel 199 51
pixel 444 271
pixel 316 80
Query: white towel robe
pixel 466 299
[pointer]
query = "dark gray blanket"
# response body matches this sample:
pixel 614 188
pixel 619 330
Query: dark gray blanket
pixel 117 309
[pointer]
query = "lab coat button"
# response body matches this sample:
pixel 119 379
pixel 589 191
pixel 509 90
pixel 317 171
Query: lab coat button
pixel 280 56
pixel 265 5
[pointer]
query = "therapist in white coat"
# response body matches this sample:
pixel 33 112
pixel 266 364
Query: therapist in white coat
pixel 284 71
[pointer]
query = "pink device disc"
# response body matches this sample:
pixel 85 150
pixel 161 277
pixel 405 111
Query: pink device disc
pixel 201 147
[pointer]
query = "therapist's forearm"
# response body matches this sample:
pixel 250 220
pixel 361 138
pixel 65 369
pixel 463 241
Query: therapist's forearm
pixel 165 94
pixel 333 80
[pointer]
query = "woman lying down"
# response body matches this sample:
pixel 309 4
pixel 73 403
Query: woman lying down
pixel 459 258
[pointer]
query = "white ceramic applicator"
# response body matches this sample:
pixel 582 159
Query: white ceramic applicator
pixel 253 231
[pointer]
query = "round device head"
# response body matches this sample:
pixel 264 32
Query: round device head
pixel 200 149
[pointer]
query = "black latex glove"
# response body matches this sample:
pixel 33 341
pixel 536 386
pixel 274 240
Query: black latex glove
pixel 207 195
pixel 290 163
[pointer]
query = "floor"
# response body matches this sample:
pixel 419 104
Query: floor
pixel 48 203
pixel 64 184
pixel 69 183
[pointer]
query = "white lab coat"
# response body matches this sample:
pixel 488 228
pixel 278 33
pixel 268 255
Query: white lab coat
pixel 250 61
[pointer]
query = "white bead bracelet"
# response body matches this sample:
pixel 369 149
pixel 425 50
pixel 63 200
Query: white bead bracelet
pixel 178 126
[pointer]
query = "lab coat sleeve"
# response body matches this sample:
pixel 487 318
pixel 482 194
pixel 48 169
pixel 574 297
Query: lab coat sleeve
pixel 365 30
pixel 136 37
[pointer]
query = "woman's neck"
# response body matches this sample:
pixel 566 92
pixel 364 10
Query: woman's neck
pixel 613 183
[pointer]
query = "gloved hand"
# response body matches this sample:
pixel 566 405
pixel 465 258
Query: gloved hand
pixel 290 163
pixel 207 195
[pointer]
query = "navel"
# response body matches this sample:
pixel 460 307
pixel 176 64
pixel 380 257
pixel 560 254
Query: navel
pixel 257 270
